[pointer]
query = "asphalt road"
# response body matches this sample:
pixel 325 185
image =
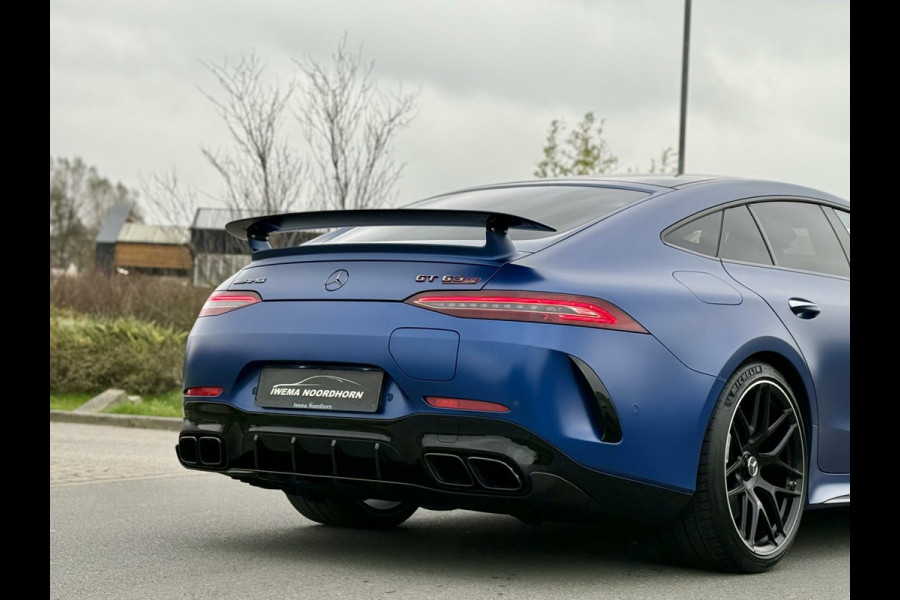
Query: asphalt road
pixel 126 521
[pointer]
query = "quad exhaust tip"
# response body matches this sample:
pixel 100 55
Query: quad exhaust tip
pixel 187 449
pixel 489 473
pixel 210 451
pixel 448 469
pixel 205 450
pixel 494 474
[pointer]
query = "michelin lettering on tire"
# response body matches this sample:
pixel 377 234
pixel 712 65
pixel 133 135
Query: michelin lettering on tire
pixel 739 383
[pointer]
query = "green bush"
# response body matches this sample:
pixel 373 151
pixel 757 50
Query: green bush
pixel 90 353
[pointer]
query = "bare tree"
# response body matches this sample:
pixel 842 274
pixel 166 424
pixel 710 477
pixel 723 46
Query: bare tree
pixel 79 201
pixel 262 172
pixel 168 200
pixel 350 126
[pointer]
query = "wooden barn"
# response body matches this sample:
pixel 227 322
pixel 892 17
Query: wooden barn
pixel 124 245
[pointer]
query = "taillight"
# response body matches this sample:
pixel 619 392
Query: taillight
pixel 536 307
pixel 204 392
pixel 223 302
pixel 463 404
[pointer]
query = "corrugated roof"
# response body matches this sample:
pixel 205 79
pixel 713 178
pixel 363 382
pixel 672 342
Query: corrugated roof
pixel 115 218
pixel 216 218
pixel 139 233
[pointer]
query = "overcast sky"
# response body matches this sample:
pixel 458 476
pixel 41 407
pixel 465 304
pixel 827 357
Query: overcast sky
pixel 769 94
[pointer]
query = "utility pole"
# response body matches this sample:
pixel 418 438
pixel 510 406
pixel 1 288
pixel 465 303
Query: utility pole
pixel 685 56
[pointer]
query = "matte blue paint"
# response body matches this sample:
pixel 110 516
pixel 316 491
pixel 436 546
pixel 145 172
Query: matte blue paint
pixel 704 318
pixel 824 344
pixel 427 354
pixel 708 288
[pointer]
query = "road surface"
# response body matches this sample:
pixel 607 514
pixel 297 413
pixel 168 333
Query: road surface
pixel 126 521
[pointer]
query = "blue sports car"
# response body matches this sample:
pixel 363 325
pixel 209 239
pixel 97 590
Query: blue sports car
pixel 663 349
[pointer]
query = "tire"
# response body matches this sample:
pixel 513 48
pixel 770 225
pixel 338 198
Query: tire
pixel 751 480
pixel 355 514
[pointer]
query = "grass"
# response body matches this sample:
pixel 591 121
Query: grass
pixel 68 401
pixel 154 405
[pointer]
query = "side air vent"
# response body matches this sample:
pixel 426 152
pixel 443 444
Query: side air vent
pixel 604 410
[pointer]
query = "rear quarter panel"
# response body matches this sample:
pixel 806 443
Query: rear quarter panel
pixel 623 260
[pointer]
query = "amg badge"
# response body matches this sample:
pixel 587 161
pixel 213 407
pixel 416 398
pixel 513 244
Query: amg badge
pixel 447 279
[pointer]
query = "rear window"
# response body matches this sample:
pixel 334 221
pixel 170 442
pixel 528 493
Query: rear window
pixel 741 239
pixel 560 207
pixel 700 235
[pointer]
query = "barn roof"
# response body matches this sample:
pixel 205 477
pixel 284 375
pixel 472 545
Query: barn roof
pixel 112 224
pixel 138 233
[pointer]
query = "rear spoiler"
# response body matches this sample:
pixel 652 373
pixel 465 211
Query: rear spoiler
pixel 256 230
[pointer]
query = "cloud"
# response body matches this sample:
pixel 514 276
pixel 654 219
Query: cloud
pixel 769 97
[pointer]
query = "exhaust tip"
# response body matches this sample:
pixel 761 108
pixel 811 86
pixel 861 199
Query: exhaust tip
pixel 187 449
pixel 448 469
pixel 210 451
pixel 494 474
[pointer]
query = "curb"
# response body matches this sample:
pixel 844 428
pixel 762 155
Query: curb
pixel 139 421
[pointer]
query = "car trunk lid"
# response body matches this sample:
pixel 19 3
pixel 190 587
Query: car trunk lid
pixel 355 278
pixel 374 271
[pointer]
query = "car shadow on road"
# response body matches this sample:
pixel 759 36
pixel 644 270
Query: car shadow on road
pixel 478 544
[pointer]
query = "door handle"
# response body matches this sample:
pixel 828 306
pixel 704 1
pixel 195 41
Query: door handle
pixel 804 308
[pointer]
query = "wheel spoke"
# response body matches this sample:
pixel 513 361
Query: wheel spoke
pixel 774 426
pixel 778 521
pixel 762 428
pixel 773 491
pixel 769 530
pixel 734 438
pixel 782 443
pixel 783 465
pixel 777 489
pixel 755 415
pixel 735 491
pixel 734 466
pixel 754 518
pixel 746 508
pixel 742 420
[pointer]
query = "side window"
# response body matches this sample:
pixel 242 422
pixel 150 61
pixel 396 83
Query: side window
pixel 844 216
pixel 840 221
pixel 700 235
pixel 801 237
pixel 741 239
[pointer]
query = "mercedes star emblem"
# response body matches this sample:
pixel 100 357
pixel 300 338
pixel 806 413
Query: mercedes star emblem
pixel 336 280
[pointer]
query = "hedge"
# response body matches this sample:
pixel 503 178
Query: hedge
pixel 90 354
pixel 167 301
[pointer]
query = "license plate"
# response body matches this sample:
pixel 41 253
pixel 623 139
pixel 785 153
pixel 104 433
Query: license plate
pixel 307 388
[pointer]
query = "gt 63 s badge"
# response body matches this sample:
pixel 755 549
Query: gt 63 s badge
pixel 447 279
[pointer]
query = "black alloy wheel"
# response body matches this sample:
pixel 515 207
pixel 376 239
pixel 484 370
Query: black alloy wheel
pixel 765 467
pixel 751 477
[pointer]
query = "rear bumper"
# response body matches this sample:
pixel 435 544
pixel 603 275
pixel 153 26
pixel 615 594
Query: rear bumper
pixel 438 462
pixel 662 406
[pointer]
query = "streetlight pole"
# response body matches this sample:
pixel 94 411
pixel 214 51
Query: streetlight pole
pixel 685 54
